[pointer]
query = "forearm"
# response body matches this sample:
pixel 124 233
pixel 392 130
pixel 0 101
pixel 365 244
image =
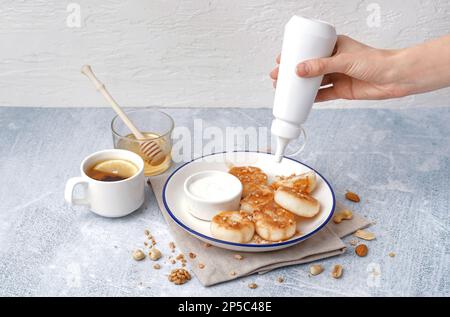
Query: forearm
pixel 423 67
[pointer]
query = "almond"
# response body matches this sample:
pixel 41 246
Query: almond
pixel 352 197
pixel 365 235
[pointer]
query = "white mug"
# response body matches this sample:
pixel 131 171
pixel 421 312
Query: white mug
pixel 109 199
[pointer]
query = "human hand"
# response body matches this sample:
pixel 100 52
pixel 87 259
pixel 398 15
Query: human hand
pixel 354 71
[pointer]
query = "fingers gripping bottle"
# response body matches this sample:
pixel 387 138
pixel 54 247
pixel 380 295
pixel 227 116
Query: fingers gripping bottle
pixel 294 96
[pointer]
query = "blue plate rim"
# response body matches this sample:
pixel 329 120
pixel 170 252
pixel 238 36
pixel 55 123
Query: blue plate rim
pixel 246 245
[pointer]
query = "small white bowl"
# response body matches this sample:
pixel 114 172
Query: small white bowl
pixel 209 192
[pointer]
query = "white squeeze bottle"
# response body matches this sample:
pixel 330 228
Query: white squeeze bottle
pixel 294 96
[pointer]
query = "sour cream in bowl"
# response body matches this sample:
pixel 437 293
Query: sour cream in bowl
pixel 209 192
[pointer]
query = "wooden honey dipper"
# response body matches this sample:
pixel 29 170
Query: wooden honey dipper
pixel 150 149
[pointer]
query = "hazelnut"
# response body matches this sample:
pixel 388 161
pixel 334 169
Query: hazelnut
pixel 361 250
pixel 154 254
pixel 316 269
pixel 138 255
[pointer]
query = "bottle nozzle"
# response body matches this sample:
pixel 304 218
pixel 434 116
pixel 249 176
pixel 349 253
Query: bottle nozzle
pixel 281 146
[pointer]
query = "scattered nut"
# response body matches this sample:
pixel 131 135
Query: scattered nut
pixel 353 242
pixel 352 197
pixel 173 261
pixel 337 271
pixel 342 215
pixel 172 245
pixel 233 273
pixel 361 250
pixel 238 257
pixel 138 255
pixel 154 254
pixel 316 269
pixel 201 266
pixel 192 255
pixel 280 279
pixel 207 245
pixel 156 266
pixel 180 257
pixel 146 232
pixel 391 254
pixel 365 235
pixel 252 285
pixel 179 276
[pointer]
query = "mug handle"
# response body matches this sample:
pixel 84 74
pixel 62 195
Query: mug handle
pixel 68 193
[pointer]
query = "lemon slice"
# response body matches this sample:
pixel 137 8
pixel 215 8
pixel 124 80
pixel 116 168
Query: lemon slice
pixel 121 168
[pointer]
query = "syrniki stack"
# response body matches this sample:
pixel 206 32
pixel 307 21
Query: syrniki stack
pixel 233 226
pixel 250 177
pixel 305 182
pixel 273 223
pixel 267 209
pixel 297 202
pixel 259 196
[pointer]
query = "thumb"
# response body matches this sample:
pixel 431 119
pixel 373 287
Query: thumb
pixel 321 66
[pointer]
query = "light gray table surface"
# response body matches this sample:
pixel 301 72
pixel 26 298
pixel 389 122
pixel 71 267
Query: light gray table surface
pixel 398 161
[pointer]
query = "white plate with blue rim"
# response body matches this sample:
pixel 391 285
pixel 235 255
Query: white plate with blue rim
pixel 175 204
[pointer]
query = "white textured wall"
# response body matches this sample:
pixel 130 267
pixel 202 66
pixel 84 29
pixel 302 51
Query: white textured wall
pixel 182 53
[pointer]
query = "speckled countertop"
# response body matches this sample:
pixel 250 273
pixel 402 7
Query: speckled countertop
pixel 398 161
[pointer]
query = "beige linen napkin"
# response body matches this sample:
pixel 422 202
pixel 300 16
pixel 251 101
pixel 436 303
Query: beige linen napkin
pixel 220 264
